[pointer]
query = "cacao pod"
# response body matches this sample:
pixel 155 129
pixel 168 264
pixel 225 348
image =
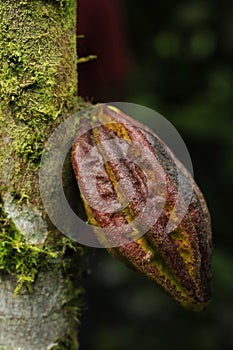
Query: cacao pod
pixel 180 260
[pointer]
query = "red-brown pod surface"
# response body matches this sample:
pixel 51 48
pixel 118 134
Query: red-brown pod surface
pixel 180 260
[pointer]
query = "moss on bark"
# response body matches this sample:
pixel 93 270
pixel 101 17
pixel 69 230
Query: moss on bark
pixel 38 89
pixel 38 85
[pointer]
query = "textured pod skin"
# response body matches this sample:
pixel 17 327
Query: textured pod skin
pixel 179 261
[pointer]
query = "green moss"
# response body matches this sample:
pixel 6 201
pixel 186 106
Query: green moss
pixel 25 260
pixel 38 83
pixel 86 59
pixel 67 343
pixel 38 89
pixel 19 258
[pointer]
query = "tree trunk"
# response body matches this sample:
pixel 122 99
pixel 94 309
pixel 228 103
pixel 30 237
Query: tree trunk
pixel 38 88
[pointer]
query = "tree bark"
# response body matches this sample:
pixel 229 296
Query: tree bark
pixel 38 89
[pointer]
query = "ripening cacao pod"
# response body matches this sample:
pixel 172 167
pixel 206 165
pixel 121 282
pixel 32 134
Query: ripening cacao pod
pixel 179 260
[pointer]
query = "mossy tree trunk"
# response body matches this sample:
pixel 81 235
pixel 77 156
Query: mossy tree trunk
pixel 38 89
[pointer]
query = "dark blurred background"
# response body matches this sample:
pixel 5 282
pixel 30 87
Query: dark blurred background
pixel 175 57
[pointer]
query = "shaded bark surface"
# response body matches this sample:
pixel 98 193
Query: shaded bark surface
pixel 38 89
pixel 32 321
